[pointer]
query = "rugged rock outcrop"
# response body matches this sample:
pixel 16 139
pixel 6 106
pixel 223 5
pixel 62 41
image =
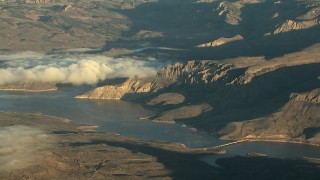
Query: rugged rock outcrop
pixel 289 25
pixel 191 73
pixel 236 98
pixel 312 97
pixel 197 72
pixel 292 122
pixel 221 41
pixel 232 10
pixel 131 89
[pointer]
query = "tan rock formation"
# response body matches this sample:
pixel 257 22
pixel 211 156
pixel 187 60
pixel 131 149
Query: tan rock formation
pixel 290 123
pixel 313 96
pixel 195 72
pixel 133 86
pixel 289 25
pixel 221 41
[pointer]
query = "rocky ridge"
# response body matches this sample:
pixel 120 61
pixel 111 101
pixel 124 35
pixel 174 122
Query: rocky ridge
pixel 221 41
pixel 274 100
pixel 292 122
pixel 135 86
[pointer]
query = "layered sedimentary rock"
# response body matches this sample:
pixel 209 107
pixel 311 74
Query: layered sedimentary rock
pixel 196 72
pixel 131 88
pixel 289 25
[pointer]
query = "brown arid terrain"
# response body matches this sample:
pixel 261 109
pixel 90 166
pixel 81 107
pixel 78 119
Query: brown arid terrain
pixel 238 28
pixel 244 70
pixel 242 98
pixel 45 25
pixel 36 146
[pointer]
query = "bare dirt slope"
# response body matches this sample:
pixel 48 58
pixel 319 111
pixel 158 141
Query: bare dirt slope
pixel 35 146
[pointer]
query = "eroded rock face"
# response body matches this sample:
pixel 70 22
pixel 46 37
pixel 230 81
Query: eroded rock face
pixel 290 123
pixel 289 25
pixel 255 91
pixel 193 72
pixel 231 10
pixel 132 88
pixel 312 97
pixel 305 21
pixel 196 72
pixel 221 41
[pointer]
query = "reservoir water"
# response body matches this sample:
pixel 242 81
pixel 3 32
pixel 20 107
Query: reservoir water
pixel 110 115
pixel 122 118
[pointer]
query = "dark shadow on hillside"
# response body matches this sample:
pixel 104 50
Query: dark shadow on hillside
pixel 311 132
pixel 268 168
pixel 186 24
pixel 188 166
pixel 265 95
pixel 183 166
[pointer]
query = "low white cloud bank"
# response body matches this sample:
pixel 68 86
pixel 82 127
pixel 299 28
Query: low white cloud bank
pixel 74 69
pixel 20 146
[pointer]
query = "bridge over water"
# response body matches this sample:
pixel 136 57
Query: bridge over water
pixel 219 147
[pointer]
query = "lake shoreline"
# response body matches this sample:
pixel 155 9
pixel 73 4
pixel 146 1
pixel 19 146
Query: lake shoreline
pixel 28 90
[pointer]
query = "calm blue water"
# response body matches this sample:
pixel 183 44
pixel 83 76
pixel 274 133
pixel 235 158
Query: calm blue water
pixel 110 115
pixel 272 149
pixel 122 118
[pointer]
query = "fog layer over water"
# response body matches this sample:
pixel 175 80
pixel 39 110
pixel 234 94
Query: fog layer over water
pixel 20 145
pixel 88 69
pixel 76 69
